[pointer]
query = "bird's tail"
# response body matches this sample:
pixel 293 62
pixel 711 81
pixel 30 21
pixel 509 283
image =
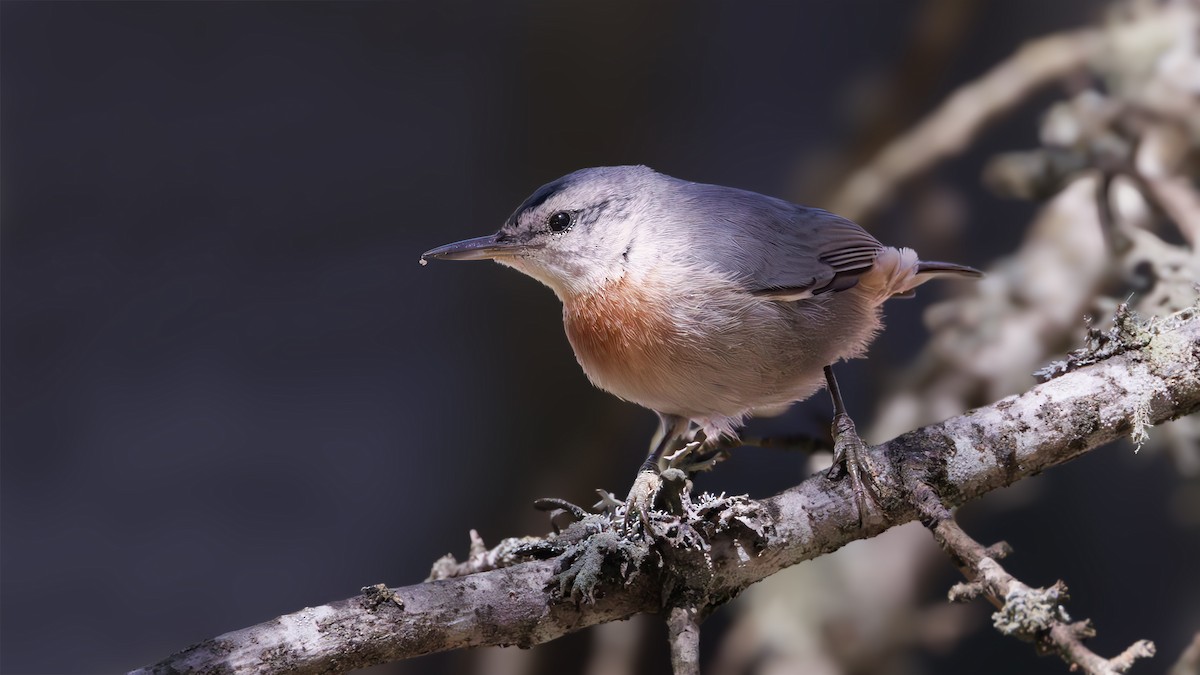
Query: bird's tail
pixel 934 268
pixel 898 272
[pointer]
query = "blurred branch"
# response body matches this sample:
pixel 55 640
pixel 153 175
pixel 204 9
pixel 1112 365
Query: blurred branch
pixel 1189 660
pixel 1116 175
pixel 711 550
pixel 950 128
pixel 1031 614
pixel 683 624
pixel 1179 200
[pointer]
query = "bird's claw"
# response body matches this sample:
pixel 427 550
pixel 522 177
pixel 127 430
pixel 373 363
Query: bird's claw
pixel 575 513
pixel 696 456
pixel 850 452
pixel 608 503
pixel 641 499
pixel 672 460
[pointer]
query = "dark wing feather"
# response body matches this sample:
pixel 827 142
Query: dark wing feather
pixel 816 252
pixel 777 249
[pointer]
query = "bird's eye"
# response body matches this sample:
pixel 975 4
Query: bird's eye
pixel 560 221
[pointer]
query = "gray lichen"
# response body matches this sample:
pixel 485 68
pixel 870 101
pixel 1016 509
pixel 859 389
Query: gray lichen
pixel 1028 613
pixel 672 530
pixel 686 539
pixel 1128 333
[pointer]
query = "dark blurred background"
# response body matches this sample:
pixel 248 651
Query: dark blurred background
pixel 229 391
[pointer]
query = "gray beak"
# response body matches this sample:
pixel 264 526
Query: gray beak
pixel 479 248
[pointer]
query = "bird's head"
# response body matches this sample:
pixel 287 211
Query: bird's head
pixel 574 234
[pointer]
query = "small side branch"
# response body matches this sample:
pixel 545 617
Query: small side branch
pixel 1189 661
pixel 1067 639
pixel 952 127
pixel 683 626
pixel 968 111
pixel 1031 614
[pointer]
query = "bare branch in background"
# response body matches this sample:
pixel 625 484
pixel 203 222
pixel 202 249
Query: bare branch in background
pixel 958 121
pixel 1136 119
pixel 1189 660
pixel 683 624
pixel 1032 614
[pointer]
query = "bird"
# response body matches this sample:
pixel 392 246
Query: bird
pixel 703 303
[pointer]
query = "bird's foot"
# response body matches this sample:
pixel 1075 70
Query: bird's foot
pixel 659 484
pixel 699 456
pixel 651 491
pixel 661 489
pixel 850 452
pixel 640 500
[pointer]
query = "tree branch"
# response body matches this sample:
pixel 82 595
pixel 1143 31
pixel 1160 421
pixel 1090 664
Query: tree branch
pixel 683 625
pixel 1154 378
pixel 1031 614
pixel 950 128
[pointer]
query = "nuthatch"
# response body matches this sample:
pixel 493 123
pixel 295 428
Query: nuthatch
pixel 703 303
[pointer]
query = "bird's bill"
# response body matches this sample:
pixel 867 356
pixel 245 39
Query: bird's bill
pixel 479 248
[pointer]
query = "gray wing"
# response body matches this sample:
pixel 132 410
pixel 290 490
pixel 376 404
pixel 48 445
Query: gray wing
pixel 781 250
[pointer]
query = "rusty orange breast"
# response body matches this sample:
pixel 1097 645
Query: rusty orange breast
pixel 621 336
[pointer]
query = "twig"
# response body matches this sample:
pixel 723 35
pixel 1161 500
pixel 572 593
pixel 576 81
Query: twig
pixel 956 122
pixel 1178 199
pixel 480 558
pixel 1030 614
pixel 683 626
pixel 952 127
pixel 1118 241
pixel 1189 661
pixel 1068 641
pixel 959 459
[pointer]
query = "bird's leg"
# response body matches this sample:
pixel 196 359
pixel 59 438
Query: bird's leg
pixel 670 429
pixel 700 452
pixel 849 449
pixel 645 486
